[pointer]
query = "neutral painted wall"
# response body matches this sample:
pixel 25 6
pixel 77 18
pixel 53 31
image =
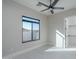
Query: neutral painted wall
pixel 12 27
pixel 56 22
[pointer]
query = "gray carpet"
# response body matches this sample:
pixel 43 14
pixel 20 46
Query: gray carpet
pixel 40 53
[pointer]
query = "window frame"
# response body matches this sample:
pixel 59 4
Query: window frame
pixel 31 28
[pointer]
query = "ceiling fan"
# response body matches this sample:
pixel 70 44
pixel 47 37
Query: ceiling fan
pixel 51 6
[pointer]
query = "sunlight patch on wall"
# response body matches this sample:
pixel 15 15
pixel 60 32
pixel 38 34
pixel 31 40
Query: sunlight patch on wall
pixel 60 39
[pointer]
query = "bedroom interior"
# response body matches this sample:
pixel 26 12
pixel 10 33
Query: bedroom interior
pixel 39 29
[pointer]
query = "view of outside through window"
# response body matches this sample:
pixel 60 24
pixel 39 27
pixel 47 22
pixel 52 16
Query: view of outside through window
pixel 30 29
pixel 26 31
pixel 35 31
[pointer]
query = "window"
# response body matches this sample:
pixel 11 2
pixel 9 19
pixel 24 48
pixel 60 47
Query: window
pixel 31 29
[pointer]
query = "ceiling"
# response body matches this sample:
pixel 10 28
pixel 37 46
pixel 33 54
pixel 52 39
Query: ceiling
pixel 67 4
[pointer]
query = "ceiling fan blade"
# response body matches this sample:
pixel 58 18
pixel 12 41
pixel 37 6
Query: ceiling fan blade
pixel 58 7
pixel 52 11
pixel 55 2
pixel 43 4
pixel 50 2
pixel 44 10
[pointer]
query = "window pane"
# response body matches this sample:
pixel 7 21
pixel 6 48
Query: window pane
pixel 35 31
pixel 26 31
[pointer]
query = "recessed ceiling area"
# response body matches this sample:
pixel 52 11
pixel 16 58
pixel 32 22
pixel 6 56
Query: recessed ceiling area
pixel 67 4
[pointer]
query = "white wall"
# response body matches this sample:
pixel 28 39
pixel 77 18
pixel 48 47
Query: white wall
pixel 12 27
pixel 56 22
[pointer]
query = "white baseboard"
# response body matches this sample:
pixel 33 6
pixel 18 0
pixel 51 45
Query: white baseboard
pixel 23 51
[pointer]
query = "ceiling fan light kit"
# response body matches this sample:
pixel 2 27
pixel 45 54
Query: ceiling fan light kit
pixel 51 6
